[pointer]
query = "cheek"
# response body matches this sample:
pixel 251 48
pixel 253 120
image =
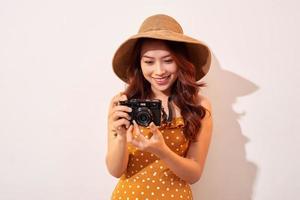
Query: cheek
pixel 172 68
pixel 145 71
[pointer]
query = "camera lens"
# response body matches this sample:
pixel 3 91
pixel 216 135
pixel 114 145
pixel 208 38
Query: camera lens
pixel 143 116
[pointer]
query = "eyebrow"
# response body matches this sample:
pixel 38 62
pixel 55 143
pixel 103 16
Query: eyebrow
pixel 153 57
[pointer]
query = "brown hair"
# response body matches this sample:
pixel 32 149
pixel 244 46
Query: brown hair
pixel 184 90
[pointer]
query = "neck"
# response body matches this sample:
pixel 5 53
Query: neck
pixel 163 95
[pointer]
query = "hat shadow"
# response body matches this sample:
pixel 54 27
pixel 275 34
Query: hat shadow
pixel 227 175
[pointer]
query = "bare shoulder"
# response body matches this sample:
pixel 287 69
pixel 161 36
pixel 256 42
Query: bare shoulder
pixel 205 102
pixel 116 96
pixel 206 122
pixel 115 99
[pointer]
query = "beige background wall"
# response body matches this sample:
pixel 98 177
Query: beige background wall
pixel 56 82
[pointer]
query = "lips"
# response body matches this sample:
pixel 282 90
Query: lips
pixel 162 80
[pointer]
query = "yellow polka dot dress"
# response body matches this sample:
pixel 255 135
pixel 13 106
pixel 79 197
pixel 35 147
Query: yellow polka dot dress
pixel 147 177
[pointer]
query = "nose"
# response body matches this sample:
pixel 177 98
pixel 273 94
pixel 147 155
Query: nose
pixel 159 69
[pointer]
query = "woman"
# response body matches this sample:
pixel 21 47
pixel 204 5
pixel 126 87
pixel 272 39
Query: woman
pixel 160 162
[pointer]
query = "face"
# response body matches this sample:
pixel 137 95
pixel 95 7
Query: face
pixel 158 66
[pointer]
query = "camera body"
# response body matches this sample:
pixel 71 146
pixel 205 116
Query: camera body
pixel 144 111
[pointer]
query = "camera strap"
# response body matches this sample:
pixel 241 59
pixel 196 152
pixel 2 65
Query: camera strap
pixel 168 118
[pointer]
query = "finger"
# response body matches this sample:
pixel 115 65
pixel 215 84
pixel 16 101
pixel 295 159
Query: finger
pixel 129 133
pixel 119 123
pixel 153 128
pixel 119 114
pixel 121 108
pixel 139 135
pixel 136 127
pixel 137 144
pixel 127 124
pixel 122 97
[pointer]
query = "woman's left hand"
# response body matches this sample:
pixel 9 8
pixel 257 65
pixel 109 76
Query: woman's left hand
pixel 155 144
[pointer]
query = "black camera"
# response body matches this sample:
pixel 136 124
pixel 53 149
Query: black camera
pixel 144 111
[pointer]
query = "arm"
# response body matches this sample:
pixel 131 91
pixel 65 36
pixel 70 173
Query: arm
pixel 190 168
pixel 117 153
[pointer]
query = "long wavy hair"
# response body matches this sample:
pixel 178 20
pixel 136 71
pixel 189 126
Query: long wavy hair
pixel 184 90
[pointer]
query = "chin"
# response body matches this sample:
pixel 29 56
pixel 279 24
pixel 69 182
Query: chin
pixel 162 88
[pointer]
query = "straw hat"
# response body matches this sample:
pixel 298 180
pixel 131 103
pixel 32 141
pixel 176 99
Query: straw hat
pixel 162 27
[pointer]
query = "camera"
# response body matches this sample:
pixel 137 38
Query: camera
pixel 144 111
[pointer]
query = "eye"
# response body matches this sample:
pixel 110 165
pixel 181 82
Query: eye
pixel 169 61
pixel 148 62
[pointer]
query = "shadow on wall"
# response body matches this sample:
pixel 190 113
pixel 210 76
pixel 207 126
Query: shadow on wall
pixel 228 175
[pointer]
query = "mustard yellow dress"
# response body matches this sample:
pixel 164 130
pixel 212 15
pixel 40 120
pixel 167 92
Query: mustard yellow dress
pixel 149 178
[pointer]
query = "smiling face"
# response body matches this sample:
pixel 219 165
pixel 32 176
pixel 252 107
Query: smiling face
pixel 158 66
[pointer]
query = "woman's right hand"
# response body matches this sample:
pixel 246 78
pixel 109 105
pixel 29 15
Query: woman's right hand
pixel 119 118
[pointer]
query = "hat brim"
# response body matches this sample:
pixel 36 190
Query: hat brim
pixel 199 53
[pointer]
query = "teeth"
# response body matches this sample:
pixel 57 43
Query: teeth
pixel 163 78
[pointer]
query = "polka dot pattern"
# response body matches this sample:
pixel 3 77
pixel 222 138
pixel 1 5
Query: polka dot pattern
pixel 147 177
